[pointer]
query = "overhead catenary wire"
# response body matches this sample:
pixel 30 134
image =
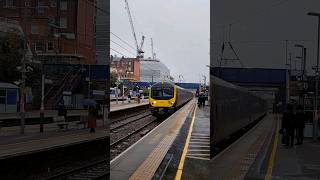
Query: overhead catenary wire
pixel 117 52
pixel 122 47
pixel 123 40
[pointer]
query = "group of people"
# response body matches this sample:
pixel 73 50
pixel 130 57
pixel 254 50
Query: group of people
pixel 293 124
pixel 201 100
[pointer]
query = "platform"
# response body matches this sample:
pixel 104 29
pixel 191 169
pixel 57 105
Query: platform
pixel 7 133
pixel 36 114
pixel 298 162
pixel 258 154
pixel 32 143
pixel 142 159
pixel 236 160
pixel 122 106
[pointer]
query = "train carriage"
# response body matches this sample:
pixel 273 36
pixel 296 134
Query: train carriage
pixel 166 97
pixel 232 108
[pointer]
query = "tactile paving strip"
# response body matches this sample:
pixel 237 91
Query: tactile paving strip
pixel 240 171
pixel 151 164
pixel 199 147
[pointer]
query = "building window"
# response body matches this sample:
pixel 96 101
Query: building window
pixel 39 46
pixel 3 95
pixel 52 20
pixel 34 29
pixel 64 5
pixel 41 7
pixel 53 3
pixel 11 97
pixel 50 46
pixel 9 3
pixel 27 4
pixel 63 22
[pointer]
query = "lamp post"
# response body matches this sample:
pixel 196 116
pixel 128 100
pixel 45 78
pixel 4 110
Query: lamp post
pixel 303 69
pixel 23 88
pixel 42 99
pixel 317 77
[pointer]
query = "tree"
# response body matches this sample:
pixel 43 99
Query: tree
pixel 11 55
pixel 113 79
pixel 11 46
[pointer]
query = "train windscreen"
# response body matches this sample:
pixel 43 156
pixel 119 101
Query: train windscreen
pixel 162 93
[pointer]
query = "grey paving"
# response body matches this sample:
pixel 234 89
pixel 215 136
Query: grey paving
pixel 234 162
pixel 299 162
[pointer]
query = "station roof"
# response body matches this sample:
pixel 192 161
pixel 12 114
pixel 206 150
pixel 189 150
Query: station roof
pixel 8 85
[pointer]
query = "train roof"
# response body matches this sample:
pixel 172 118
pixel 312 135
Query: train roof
pixel 223 83
pixel 164 83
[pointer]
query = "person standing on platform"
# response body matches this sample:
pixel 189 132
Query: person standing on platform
pixel 92 119
pixel 62 111
pixel 318 122
pixel 300 119
pixel 129 98
pixel 288 125
pixel 138 96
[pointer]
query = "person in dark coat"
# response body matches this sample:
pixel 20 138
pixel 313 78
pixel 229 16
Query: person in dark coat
pixel 129 98
pixel 92 118
pixel 62 110
pixel 300 119
pixel 200 100
pixel 288 124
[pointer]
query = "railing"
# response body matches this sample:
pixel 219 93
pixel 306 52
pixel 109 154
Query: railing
pixel 54 92
pixel 9 21
pixel 69 83
pixel 52 89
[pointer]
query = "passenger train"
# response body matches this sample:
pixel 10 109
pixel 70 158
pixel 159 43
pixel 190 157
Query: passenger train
pixel 232 109
pixel 166 97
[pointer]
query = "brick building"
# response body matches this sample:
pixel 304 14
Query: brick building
pixel 59 31
pixel 126 68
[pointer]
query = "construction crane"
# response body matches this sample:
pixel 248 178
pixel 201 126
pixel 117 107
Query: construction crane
pixel 153 53
pixel 140 52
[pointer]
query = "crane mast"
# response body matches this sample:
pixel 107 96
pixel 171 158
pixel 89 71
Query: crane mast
pixel 153 54
pixel 139 49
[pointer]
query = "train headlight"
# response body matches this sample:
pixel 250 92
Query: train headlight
pixel 154 102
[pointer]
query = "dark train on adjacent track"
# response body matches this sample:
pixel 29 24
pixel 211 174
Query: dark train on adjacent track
pixel 166 97
pixel 232 109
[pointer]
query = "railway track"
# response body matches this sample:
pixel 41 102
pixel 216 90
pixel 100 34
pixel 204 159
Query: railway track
pixel 137 130
pixel 95 171
pixel 126 121
pixel 127 131
pixel 126 116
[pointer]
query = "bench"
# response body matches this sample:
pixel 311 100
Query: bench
pixel 63 125
pixel 80 123
pixel 83 121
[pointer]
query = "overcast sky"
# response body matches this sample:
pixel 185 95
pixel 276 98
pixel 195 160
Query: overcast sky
pixel 260 28
pixel 180 30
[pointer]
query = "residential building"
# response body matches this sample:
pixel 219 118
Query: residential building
pixel 126 68
pixel 58 31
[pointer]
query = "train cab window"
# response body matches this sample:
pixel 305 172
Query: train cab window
pixel 167 92
pixel 162 93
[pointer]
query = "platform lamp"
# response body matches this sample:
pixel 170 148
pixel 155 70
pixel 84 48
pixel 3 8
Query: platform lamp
pixel 317 77
pixel 302 58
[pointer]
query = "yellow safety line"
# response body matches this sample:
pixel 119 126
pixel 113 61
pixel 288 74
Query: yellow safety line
pixel 273 153
pixel 185 149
